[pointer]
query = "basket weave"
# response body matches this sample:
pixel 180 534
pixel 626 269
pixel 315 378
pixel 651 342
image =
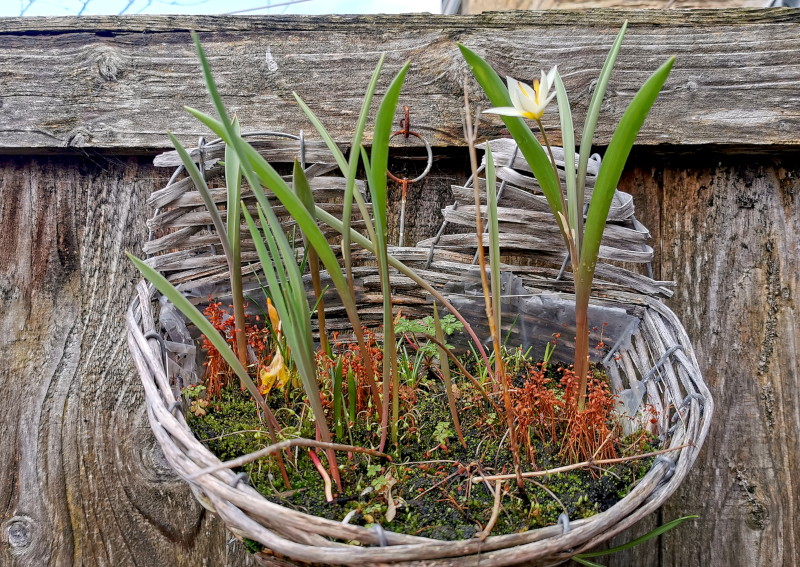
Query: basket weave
pixel 658 357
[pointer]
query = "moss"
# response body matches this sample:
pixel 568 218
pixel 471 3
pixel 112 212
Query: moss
pixel 435 495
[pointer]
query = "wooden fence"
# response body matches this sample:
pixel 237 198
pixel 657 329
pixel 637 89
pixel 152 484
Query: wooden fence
pixel 86 103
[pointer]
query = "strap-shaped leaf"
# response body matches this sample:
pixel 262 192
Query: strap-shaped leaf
pixel 614 162
pixel 574 203
pixel 530 147
pixel 593 113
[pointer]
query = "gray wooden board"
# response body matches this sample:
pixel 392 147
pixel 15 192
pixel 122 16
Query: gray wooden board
pixel 120 82
pixel 82 482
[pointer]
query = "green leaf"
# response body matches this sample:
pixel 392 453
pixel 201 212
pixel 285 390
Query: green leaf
pixel 379 158
pixel 530 147
pixel 582 561
pixel 233 180
pixel 376 171
pixel 638 541
pixel 593 112
pixel 574 203
pixel 202 188
pixel 283 277
pixel 613 164
pixel 203 325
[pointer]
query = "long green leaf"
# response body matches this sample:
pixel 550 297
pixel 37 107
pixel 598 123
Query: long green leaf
pixel 368 245
pixel 303 190
pixel 530 147
pixel 203 325
pixel 292 312
pixel 377 167
pixel 208 200
pixel 353 166
pixel 574 203
pixel 593 113
pixel 233 181
pixel 343 164
pixel 333 147
pixel 613 164
pixel 586 562
pixel 379 158
pixel 639 540
pixel 259 173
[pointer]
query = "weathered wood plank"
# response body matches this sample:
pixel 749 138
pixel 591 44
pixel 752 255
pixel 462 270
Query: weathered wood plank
pixel 727 235
pixel 478 6
pixel 82 481
pixel 120 82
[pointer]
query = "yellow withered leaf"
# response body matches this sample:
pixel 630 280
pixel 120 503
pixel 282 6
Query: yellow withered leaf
pixel 274 375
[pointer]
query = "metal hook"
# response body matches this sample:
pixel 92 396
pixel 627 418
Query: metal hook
pixel 428 166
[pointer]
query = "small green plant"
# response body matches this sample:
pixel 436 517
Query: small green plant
pixel 443 433
pixel 517 102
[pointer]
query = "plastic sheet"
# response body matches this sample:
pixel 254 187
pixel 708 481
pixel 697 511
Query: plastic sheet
pixel 532 320
pixel 181 349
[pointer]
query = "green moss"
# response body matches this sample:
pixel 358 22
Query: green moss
pixel 435 498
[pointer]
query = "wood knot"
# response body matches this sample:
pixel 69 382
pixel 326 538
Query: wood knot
pixel 77 138
pixel 109 66
pixel 18 532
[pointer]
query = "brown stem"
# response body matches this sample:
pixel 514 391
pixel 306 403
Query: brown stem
pixel 286 444
pixel 582 465
pixel 581 340
pixel 500 375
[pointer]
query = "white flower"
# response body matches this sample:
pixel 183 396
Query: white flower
pixel 528 102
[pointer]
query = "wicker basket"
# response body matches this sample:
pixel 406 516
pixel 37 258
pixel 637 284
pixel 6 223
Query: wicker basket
pixel 654 358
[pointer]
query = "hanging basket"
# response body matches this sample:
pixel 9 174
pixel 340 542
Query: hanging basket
pixel 649 361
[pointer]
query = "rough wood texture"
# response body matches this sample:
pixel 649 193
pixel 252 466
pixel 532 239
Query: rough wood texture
pixel 82 481
pixel 727 231
pixel 478 6
pixel 120 82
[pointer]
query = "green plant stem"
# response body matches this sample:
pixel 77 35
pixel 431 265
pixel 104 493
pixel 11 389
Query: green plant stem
pixel 365 243
pixel 444 368
pixel 233 185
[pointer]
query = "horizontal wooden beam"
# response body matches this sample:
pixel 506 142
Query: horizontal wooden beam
pixel 119 83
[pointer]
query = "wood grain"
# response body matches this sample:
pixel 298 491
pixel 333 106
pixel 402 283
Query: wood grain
pixel 478 6
pixel 82 481
pixel 727 235
pixel 120 82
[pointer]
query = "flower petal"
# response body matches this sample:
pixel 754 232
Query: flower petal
pixel 504 111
